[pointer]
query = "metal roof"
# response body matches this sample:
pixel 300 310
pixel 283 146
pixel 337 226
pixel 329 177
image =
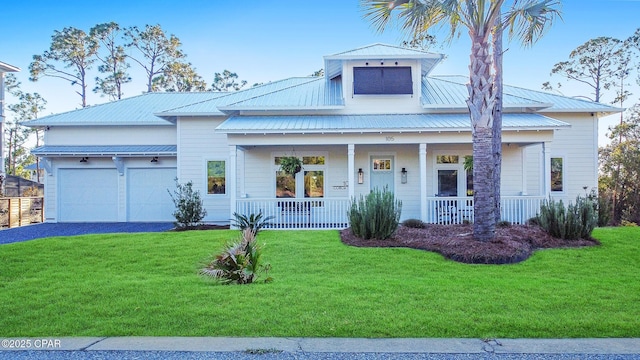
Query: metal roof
pixel 441 94
pixel 376 123
pixel 293 92
pixel 137 110
pixel 316 93
pixel 106 150
pixel 333 63
pixel 447 90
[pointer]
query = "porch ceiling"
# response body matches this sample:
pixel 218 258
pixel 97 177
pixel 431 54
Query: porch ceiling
pixel 340 124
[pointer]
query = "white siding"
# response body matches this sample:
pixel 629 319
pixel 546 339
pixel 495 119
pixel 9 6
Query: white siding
pixel 111 135
pixel 198 143
pixel 381 104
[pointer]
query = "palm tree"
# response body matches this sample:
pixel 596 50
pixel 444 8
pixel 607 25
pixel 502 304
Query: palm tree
pixel 484 21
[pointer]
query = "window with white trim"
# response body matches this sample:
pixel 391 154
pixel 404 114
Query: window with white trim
pixel 216 177
pixel 557 174
pixel 311 182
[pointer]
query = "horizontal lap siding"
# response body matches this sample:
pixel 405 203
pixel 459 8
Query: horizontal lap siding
pixel 198 142
pixel 579 147
pixel 111 135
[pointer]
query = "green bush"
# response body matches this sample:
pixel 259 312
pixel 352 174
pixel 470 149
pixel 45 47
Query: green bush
pixel 189 208
pixel 414 223
pixel 255 222
pixel 603 204
pixel 575 221
pixel 375 216
pixel 239 262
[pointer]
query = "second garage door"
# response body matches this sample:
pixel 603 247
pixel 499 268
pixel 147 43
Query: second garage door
pixel 147 196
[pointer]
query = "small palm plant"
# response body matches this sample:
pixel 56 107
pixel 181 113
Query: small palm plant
pixel 254 222
pixel 239 262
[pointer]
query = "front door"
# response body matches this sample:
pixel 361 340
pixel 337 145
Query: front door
pixel 381 170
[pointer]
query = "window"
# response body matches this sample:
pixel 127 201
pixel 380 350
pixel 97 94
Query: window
pixel 447 182
pixel 310 179
pixel 557 174
pixel 285 185
pixel 216 177
pixel 447 159
pixel 314 184
pixel 382 80
pixel 381 164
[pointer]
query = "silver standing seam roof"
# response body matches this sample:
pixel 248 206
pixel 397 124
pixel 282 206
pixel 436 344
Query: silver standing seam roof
pixel 442 96
pixel 327 124
pixel 106 150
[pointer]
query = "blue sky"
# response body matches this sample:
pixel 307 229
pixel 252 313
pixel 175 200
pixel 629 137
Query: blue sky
pixel 267 40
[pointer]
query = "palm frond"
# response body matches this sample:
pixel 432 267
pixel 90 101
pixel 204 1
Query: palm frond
pixel 530 19
pixel 378 12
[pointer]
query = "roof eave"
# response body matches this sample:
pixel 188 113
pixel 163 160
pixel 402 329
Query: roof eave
pixel 377 131
pixel 46 124
pixel 4 68
pixel 104 154
pixel 599 111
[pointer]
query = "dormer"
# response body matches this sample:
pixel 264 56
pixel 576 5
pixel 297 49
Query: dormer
pixel 381 75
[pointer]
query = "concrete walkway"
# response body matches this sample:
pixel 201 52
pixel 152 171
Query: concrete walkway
pixel 327 345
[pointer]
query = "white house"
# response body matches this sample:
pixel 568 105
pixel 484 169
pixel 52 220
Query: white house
pixel 375 119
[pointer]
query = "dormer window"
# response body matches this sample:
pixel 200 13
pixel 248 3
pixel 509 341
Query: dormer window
pixel 382 80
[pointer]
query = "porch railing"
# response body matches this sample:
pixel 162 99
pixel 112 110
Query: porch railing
pixel 459 210
pixel 332 213
pixel 288 213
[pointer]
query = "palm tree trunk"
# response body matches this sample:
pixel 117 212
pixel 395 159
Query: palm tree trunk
pixel 481 104
pixel 496 36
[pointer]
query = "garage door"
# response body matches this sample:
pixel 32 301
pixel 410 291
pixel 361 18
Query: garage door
pixel 88 195
pixel 147 196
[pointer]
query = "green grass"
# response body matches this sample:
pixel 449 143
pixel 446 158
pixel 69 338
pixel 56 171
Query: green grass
pixel 147 285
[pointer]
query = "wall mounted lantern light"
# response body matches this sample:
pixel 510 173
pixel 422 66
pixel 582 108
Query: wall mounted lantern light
pixel 360 176
pixel 403 176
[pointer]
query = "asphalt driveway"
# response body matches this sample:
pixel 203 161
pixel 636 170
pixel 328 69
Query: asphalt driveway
pixel 38 231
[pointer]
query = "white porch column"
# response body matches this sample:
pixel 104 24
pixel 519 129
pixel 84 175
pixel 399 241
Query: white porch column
pixel 546 169
pixel 351 151
pixel 523 161
pixel 232 182
pixel 423 182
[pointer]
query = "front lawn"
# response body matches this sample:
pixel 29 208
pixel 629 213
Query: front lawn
pixel 146 285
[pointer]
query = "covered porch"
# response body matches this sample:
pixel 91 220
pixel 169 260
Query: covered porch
pixel 422 165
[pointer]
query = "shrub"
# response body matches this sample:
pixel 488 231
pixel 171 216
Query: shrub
pixel 603 205
pixel 253 222
pixel 375 216
pixel 189 208
pixel 239 262
pixel 413 223
pixel 574 221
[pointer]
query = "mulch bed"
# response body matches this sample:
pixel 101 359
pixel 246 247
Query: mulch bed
pixel 512 244
pixel 202 227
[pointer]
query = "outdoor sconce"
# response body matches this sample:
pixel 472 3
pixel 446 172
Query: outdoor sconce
pixel 154 159
pixel 84 159
pixel 360 176
pixel 403 176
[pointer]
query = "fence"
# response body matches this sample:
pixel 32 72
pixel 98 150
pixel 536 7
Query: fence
pixel 20 211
